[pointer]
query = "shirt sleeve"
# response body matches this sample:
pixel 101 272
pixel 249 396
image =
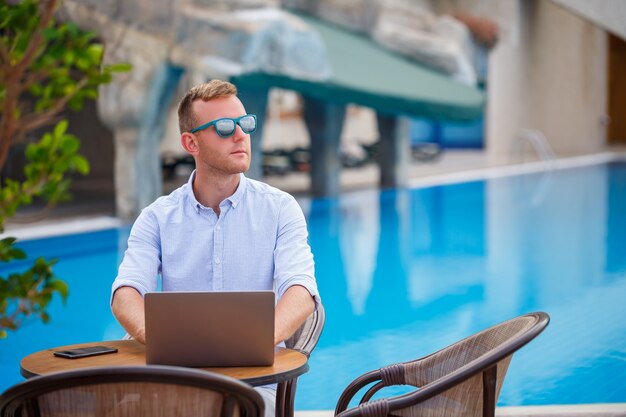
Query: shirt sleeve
pixel 142 260
pixel 293 260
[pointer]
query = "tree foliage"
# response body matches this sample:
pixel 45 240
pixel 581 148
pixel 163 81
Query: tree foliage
pixel 46 66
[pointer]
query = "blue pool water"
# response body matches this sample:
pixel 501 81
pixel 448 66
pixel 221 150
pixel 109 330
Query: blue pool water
pixel 404 273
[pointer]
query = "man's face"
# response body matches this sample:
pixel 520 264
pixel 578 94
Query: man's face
pixel 225 155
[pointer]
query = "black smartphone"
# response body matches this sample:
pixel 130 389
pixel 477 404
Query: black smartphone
pixel 84 352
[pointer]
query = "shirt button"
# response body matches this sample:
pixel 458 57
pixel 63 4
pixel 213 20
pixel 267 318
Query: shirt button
pixel 217 260
pixel 218 227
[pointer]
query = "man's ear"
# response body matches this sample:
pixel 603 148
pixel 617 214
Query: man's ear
pixel 189 142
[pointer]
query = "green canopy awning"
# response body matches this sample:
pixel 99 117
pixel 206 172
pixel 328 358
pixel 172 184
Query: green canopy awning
pixel 365 73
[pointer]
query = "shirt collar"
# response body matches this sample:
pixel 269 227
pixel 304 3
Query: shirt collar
pixel 234 199
pixel 190 195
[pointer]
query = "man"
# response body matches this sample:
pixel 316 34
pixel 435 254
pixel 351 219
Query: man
pixel 220 231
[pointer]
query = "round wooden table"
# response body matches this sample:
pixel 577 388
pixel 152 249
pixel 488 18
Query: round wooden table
pixel 288 365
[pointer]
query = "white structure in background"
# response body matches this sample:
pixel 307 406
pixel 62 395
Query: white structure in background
pixel 548 73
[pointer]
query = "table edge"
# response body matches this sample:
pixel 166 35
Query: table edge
pixel 254 381
pixel 276 378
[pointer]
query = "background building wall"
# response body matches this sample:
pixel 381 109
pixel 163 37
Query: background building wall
pixel 608 14
pixel 568 79
pixel 548 73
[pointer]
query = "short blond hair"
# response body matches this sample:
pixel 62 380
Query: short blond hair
pixel 205 92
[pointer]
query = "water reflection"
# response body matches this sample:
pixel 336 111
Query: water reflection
pixel 359 233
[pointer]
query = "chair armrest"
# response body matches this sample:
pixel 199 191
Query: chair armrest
pixel 386 376
pixel 354 387
pixel 376 408
pixel 405 400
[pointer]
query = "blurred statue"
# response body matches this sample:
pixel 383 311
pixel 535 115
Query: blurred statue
pixel 449 43
pixel 164 40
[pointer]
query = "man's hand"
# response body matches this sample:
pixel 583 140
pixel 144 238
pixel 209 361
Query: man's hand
pixel 128 309
pixel 291 311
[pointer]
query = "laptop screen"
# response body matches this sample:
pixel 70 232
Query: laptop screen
pixel 204 329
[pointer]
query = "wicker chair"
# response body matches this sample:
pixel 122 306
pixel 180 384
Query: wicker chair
pixel 463 379
pixel 132 391
pixel 304 339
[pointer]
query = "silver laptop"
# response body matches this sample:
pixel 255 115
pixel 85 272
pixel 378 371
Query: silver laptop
pixel 203 329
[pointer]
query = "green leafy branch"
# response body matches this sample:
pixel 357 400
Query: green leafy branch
pixel 46 66
pixel 29 293
pixel 49 160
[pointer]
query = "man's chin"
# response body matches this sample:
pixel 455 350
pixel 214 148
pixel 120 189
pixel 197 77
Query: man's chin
pixel 241 169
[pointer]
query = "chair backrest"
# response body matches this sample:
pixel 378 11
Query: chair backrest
pixel 132 391
pixel 306 337
pixel 463 379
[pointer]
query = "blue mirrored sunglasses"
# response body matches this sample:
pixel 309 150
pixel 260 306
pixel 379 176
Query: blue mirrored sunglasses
pixel 226 126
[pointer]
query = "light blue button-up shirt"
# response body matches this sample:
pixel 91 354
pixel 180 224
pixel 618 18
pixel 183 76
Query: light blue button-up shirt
pixel 258 242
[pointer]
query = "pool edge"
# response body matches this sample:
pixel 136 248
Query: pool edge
pixel 485 173
pixel 62 227
pixel 593 410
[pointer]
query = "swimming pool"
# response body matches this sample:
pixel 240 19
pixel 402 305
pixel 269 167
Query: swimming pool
pixel 403 273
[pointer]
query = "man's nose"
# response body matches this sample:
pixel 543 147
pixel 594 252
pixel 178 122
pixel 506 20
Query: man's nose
pixel 239 134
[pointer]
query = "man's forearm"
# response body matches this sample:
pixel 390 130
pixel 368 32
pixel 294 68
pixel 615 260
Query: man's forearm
pixel 128 309
pixel 291 311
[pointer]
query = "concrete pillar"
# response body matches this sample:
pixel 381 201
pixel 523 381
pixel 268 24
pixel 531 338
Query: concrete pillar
pixel 394 150
pixel 255 101
pixel 324 122
pixel 125 171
